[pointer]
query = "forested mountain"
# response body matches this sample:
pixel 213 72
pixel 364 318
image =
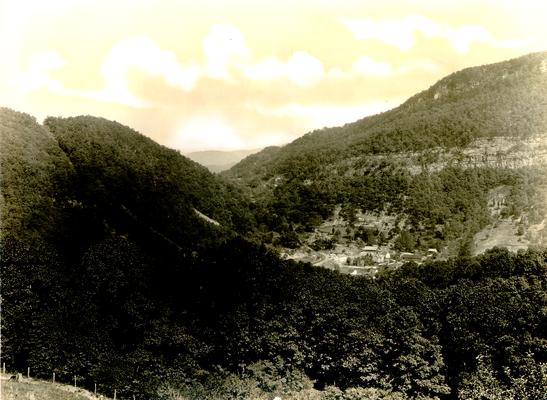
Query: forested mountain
pixel 503 99
pixel 126 265
pixel 431 161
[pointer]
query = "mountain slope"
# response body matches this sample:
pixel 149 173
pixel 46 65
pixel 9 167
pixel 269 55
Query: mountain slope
pixel 431 162
pixel 104 233
pixel 503 99
pixel 118 167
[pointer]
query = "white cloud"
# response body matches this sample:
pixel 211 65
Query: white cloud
pixel 212 132
pixel 37 76
pixel 223 46
pixel 140 52
pixel 302 69
pixel 143 53
pixel 269 69
pixel 400 32
pixel 390 31
pixel 368 67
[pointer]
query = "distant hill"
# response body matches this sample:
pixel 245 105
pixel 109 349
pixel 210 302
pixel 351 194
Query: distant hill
pixel 431 161
pixel 218 161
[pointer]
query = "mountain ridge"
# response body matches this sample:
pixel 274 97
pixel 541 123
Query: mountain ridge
pixel 440 92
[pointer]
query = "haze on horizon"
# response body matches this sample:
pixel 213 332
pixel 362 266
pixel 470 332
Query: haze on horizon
pixel 228 75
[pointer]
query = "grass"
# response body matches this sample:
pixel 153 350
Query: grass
pixel 33 389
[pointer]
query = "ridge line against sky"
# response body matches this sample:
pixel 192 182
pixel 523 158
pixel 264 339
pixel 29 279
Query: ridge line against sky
pixel 237 75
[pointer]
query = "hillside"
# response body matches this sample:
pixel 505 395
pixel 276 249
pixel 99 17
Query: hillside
pixel 504 99
pixel 118 166
pixel 101 229
pixel 431 163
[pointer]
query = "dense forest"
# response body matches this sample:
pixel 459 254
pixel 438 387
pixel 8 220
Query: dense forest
pixel 240 323
pixel 128 266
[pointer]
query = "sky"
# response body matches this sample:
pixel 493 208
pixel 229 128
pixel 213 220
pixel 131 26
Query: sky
pixel 225 75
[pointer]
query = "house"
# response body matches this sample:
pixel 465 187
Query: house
pixel 370 249
pixel 410 257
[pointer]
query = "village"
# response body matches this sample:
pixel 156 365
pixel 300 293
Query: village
pixel 356 257
pixel 340 245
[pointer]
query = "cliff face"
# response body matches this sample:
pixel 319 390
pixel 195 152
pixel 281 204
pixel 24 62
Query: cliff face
pixel 495 152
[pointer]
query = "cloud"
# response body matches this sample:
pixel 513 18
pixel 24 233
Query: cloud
pixel 144 54
pixel 37 76
pixel 400 32
pixel 223 46
pixel 139 52
pixel 213 132
pixel 368 67
pixel 301 69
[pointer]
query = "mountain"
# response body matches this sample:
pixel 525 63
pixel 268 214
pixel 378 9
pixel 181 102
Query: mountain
pixel 432 163
pixel 120 168
pixel 504 99
pixel 218 161
pixel 105 233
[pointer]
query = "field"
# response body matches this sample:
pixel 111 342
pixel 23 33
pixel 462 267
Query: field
pixel 33 389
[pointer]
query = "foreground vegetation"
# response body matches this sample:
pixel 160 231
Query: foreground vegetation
pixel 240 322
